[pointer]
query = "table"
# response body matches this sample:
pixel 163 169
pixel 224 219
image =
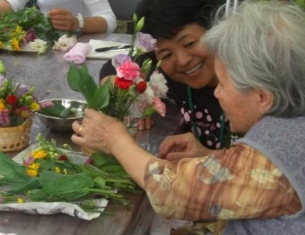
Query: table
pixel 48 74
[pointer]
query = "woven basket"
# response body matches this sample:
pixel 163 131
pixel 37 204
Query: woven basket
pixel 88 152
pixel 15 138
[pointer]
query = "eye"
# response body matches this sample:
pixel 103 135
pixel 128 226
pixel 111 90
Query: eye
pixel 190 44
pixel 164 56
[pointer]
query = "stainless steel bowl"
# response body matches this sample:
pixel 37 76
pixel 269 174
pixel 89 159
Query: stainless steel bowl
pixel 64 124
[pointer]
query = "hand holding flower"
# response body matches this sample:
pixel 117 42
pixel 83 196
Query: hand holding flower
pixel 63 19
pixel 100 132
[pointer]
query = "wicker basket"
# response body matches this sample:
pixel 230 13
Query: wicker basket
pixel 15 138
pixel 88 152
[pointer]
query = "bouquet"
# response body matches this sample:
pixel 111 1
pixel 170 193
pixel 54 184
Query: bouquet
pixel 17 101
pixel 27 28
pixel 134 91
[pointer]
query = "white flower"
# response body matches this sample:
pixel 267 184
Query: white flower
pixel 158 83
pixel 64 43
pixel 37 45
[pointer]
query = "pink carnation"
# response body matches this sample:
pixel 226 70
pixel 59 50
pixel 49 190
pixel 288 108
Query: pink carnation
pixel 128 70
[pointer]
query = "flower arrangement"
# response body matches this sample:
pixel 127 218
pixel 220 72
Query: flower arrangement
pixel 17 101
pixel 28 29
pixel 134 91
pixel 52 174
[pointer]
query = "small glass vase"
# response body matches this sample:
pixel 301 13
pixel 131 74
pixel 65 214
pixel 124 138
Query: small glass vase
pixel 15 138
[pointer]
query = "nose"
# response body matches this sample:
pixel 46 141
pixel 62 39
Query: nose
pixel 182 57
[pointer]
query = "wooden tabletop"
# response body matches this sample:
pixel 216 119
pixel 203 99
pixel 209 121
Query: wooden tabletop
pixel 48 73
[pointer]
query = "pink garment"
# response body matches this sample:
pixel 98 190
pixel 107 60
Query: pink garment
pixel 78 53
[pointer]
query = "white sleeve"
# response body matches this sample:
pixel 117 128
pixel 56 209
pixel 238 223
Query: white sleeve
pixel 17 4
pixel 103 9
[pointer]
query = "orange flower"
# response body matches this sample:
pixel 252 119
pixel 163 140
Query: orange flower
pixel 15 44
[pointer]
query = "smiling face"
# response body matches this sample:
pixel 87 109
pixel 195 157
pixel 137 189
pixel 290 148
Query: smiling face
pixel 243 109
pixel 185 59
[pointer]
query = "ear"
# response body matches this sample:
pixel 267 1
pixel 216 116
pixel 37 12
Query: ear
pixel 265 100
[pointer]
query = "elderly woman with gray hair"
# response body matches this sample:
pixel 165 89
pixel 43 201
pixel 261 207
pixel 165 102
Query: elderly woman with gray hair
pixel 257 185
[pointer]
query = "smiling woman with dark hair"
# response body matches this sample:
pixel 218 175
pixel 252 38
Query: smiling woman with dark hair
pixel 188 67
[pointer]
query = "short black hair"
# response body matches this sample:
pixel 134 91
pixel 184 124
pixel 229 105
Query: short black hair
pixel 165 18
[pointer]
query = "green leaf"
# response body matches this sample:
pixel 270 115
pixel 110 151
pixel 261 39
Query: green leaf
pixel 14 175
pixel 80 80
pixel 101 96
pixel 101 159
pixel 64 187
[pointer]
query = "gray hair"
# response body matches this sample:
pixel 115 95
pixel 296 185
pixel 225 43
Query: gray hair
pixel 262 45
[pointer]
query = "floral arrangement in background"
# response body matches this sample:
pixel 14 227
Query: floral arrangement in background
pixel 17 101
pixel 27 29
pixel 52 174
pixel 135 90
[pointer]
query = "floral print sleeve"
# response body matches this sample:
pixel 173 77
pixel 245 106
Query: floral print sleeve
pixel 229 184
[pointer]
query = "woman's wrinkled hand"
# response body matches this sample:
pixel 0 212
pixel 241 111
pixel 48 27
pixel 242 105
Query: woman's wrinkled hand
pixel 182 146
pixel 63 19
pixel 99 132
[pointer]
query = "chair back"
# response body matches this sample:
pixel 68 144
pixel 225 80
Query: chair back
pixel 124 9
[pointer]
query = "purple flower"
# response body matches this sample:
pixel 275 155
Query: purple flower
pixel 145 42
pixel 22 90
pixel 2 79
pixel 119 59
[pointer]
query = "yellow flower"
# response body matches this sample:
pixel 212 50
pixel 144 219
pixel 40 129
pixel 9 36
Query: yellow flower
pixel 1 45
pixel 31 172
pixel 57 169
pixel 65 171
pixel 20 200
pixel 35 106
pixel 39 153
pixel 33 169
pixel 2 104
pixel 15 44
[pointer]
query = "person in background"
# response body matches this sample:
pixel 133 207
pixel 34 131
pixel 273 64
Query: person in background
pixel 257 185
pixel 85 16
pixel 188 67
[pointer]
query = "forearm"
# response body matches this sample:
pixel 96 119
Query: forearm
pixel 5 7
pixel 133 158
pixel 95 24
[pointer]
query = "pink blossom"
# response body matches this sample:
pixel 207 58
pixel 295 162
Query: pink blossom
pixel 29 161
pixel 46 104
pixel 159 106
pixel 128 70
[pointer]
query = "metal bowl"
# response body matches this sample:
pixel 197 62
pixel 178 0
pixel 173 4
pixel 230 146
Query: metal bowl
pixel 57 124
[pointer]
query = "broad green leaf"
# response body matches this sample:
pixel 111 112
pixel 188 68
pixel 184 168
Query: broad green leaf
pixel 101 96
pixel 14 175
pixel 80 80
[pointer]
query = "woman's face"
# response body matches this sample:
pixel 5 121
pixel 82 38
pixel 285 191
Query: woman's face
pixel 185 59
pixel 243 109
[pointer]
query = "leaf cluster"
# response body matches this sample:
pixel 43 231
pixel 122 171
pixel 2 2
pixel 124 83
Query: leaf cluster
pixel 29 18
pixel 80 182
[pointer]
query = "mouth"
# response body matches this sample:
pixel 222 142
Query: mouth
pixel 194 70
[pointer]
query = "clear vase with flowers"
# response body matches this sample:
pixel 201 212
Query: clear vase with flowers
pixel 17 104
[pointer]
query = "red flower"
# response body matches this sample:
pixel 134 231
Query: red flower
pixel 123 83
pixel 89 161
pixel 141 87
pixel 11 99
pixel 62 158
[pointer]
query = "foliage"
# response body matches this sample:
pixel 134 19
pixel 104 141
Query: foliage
pixel 25 26
pixel 50 174
pixel 17 101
